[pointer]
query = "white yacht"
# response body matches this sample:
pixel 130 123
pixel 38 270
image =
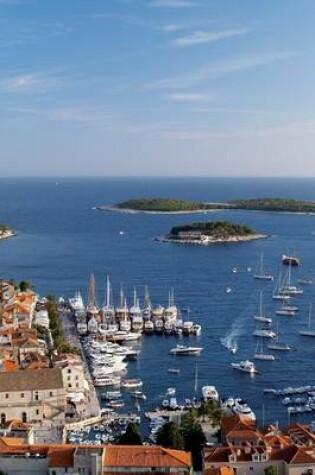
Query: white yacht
pixel 261 317
pixel 238 406
pixel 209 393
pixel 76 302
pixel 186 350
pixel 245 366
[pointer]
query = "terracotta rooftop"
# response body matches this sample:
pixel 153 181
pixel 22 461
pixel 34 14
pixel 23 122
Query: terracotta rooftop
pixel 145 456
pixel 61 456
pixel 30 380
pixel 237 422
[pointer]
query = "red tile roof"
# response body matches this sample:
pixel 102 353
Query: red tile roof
pixel 145 456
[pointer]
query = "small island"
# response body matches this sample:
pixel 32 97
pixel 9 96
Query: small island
pixel 6 232
pixel 177 206
pixel 161 205
pixel 211 233
pixel 283 205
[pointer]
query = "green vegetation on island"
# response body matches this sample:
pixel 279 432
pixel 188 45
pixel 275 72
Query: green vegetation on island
pixel 170 205
pixel 274 204
pixel 214 229
pixel 163 205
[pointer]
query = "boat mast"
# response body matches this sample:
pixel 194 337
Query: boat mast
pixel 196 380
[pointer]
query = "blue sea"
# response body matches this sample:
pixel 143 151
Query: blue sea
pixel 61 239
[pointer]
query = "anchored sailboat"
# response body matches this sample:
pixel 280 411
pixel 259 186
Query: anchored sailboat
pixel 261 274
pixel 309 331
pixel 259 353
pixel 261 317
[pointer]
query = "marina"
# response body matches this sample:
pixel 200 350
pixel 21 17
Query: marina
pixel 198 275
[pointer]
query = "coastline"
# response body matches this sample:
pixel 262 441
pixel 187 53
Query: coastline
pixel 137 211
pixel 7 234
pixel 210 241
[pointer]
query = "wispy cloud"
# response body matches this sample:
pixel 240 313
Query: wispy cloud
pixel 70 114
pixel 173 3
pixel 189 97
pixel 202 37
pixel 32 82
pixel 219 69
pixel 171 27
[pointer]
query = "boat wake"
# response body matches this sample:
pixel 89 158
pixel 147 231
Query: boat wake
pixel 229 341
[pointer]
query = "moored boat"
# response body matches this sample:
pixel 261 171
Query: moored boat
pixel 186 350
pixel 245 367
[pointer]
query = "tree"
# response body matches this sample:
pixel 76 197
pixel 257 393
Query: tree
pixel 194 438
pixel 25 285
pixel 170 436
pixel 271 470
pixel 131 436
pixel 211 410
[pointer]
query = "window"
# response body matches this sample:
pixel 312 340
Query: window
pixel 69 371
pixel 24 417
pixel 77 377
pixel 3 418
pixel 69 378
pixel 37 412
pixel 69 385
pixel 22 395
pixel 77 385
pixel 7 396
pixel 51 394
pixel 36 395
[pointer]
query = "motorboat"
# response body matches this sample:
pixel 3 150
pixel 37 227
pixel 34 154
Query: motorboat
pixel 210 393
pixel 173 370
pixel 139 395
pixel 245 366
pixel 290 260
pixel 106 381
pixel 170 392
pixel 186 350
pixel 237 406
pixel 131 383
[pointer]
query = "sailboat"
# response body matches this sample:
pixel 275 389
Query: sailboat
pixel 259 353
pixel 261 317
pixel 277 293
pixel 277 346
pixel 261 274
pixel 309 331
pixel 288 288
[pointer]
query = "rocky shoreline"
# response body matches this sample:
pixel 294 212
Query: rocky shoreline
pixel 137 211
pixel 213 240
pixel 7 234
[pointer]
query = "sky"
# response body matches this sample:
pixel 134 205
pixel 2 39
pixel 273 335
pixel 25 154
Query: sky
pixel 157 88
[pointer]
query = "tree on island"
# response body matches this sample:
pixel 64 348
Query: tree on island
pixel 131 436
pixel 170 436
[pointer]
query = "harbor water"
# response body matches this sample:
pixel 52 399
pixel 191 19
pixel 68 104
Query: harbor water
pixel 61 238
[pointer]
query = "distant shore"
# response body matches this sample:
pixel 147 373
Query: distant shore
pixel 213 240
pixel 137 211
